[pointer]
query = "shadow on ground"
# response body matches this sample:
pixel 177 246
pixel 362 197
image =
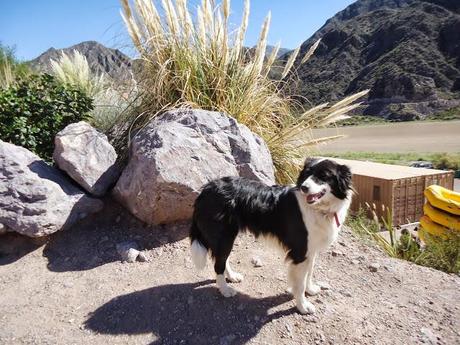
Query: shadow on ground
pixel 193 313
pixel 92 242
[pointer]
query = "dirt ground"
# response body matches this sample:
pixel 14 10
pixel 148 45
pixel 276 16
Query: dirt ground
pixel 72 289
pixel 397 137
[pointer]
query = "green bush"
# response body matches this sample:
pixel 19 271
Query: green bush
pixel 35 108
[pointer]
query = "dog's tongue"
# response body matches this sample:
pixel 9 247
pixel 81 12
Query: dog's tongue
pixel 313 197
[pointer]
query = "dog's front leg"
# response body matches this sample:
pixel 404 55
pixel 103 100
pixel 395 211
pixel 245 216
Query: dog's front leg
pixel 297 281
pixel 312 289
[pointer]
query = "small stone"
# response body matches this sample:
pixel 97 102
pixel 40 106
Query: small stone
pixel 142 257
pixel 355 262
pixel 428 337
pixel 227 340
pixel 374 267
pixel 256 262
pixel 128 251
pixel 337 253
pixel 346 293
pixel 323 285
pixel 2 229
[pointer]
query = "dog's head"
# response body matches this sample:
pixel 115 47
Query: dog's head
pixel 323 180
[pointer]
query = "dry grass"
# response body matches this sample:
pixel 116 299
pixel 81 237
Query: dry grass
pixel 74 70
pixel 202 64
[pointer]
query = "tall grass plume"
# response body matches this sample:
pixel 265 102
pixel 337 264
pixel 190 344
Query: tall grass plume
pixel 201 63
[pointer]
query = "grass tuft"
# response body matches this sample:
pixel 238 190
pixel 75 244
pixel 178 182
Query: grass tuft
pixel 202 64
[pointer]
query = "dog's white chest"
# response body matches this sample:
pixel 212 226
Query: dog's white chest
pixel 323 229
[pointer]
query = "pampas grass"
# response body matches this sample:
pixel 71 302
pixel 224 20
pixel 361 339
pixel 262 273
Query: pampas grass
pixel 202 64
pixel 74 70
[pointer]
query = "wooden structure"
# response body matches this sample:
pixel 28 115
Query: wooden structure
pixel 398 187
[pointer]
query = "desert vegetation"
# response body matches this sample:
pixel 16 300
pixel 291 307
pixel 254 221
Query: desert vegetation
pixel 436 252
pixel 201 63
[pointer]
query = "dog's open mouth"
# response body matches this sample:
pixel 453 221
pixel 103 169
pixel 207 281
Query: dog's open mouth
pixel 311 198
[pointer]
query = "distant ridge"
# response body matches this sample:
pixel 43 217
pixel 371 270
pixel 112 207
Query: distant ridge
pixel 102 60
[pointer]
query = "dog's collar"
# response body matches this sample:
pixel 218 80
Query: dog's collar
pixel 337 222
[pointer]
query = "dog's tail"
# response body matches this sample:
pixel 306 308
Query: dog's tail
pixel 198 249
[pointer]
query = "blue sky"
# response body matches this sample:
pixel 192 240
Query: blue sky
pixel 33 26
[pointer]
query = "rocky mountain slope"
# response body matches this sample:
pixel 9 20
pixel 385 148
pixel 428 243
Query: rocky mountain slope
pixel 102 60
pixel 407 52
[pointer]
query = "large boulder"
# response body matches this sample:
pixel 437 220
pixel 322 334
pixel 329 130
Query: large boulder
pixel 177 153
pixel 87 157
pixel 35 198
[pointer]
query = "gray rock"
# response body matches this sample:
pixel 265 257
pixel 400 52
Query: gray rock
pixel 35 198
pixel 129 251
pixel 177 153
pixel 87 157
pixel 142 257
pixel 256 262
pixel 374 267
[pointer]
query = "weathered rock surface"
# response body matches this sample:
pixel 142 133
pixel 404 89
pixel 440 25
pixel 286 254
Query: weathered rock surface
pixel 87 157
pixel 177 153
pixel 35 198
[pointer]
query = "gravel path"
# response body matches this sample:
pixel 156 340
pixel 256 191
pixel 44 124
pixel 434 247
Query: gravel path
pixel 72 289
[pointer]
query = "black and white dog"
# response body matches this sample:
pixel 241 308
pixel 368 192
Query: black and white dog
pixel 303 220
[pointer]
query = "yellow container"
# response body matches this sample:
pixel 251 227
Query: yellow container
pixel 443 218
pixel 443 198
pixel 432 228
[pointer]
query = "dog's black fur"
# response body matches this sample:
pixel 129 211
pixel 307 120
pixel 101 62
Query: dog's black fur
pixel 232 204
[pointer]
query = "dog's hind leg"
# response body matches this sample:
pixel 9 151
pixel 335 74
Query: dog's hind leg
pixel 311 288
pixel 221 253
pixel 224 288
pixel 297 280
pixel 231 275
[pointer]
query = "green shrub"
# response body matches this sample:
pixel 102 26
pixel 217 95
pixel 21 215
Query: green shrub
pixel 35 108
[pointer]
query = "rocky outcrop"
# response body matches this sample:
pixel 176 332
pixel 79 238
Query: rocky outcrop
pixel 404 51
pixel 87 157
pixel 35 198
pixel 177 153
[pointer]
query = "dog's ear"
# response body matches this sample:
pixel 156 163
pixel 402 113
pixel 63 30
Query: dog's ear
pixel 309 162
pixel 344 179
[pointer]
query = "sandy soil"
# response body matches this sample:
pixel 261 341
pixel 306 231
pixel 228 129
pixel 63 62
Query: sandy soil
pixel 397 137
pixel 72 289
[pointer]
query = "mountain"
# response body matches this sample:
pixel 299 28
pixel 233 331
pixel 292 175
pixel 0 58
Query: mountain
pixel 407 52
pixel 281 51
pixel 102 60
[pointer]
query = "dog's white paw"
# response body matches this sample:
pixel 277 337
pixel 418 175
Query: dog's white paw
pixel 313 289
pixel 227 291
pixel 305 307
pixel 235 277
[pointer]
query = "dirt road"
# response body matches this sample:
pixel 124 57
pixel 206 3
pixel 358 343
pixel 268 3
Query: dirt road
pixel 397 137
pixel 72 289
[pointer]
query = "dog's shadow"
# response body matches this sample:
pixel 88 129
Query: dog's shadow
pixel 193 313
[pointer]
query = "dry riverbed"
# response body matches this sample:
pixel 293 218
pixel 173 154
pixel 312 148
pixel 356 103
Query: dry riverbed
pixel 395 137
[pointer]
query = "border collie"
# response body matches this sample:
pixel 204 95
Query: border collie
pixel 303 219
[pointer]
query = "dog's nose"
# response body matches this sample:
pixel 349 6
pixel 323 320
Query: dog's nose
pixel 304 189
